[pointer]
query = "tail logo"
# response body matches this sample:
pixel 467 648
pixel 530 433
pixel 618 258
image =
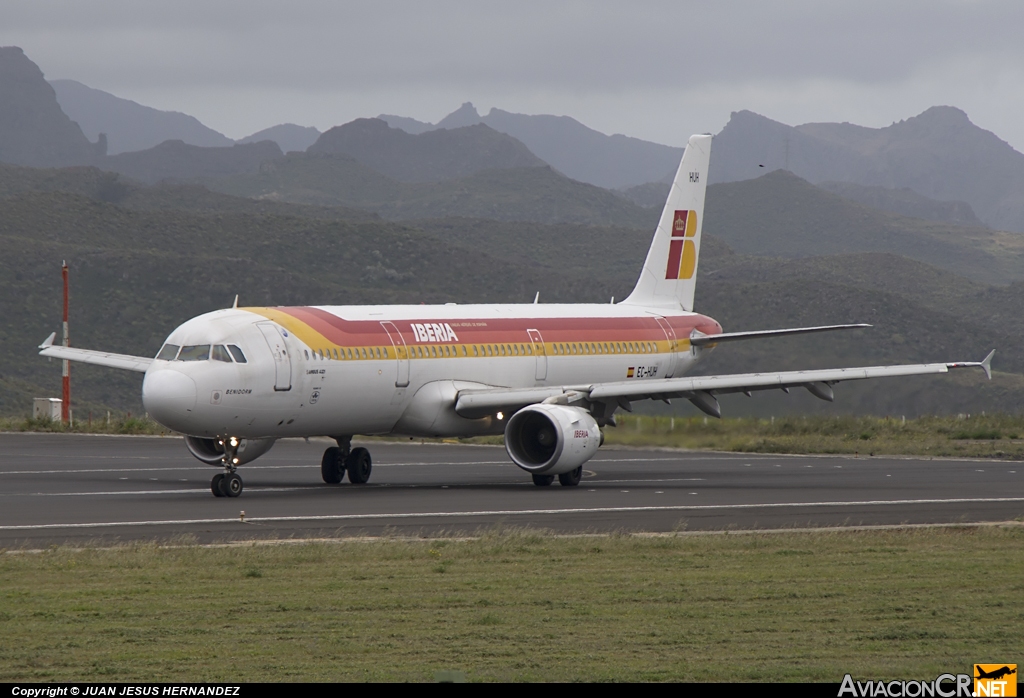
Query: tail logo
pixel 682 252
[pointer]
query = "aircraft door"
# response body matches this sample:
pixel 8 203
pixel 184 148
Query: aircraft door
pixel 538 351
pixel 401 351
pixel 279 350
pixel 670 335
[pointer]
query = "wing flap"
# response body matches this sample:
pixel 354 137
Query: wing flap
pixel 97 358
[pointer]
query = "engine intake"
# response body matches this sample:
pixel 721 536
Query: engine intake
pixel 211 452
pixel 551 439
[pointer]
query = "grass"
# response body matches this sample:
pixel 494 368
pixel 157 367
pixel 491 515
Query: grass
pixel 969 436
pixel 965 436
pixel 520 605
pixel 121 424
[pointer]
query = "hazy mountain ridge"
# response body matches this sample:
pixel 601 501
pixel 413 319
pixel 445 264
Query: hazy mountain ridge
pixel 577 151
pixel 428 157
pixel 537 194
pixel 178 161
pixel 33 129
pixel 939 154
pixel 289 137
pixel 130 126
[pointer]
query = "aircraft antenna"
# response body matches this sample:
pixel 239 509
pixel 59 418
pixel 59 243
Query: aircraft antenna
pixel 235 304
pixel 65 403
pixel 536 299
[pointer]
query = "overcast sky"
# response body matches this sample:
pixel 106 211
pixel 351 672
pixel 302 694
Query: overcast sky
pixel 655 70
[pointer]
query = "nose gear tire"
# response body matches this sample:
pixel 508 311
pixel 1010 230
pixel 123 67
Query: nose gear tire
pixel 231 485
pixel 215 485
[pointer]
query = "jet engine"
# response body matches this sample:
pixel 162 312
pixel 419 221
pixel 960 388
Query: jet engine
pixel 211 451
pixel 551 439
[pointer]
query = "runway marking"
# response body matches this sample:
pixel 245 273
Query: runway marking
pixel 191 490
pixel 510 512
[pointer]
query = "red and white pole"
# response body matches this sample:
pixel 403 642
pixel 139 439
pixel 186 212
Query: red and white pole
pixel 65 405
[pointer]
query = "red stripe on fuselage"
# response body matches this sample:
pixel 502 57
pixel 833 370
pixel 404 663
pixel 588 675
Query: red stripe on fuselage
pixel 503 330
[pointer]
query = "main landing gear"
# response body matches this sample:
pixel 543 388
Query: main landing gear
pixel 228 483
pixel 342 459
pixel 569 479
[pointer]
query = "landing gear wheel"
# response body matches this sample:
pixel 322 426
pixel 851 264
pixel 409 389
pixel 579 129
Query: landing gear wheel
pixel 543 480
pixel 358 465
pixel 332 466
pixel 231 485
pixel 571 478
pixel 215 485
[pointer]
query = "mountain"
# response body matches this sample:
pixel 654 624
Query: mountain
pixel 905 202
pixel 143 264
pixel 536 194
pixel 290 137
pixel 939 154
pixel 129 125
pixel 427 157
pixel 781 215
pixel 573 149
pixel 175 160
pixel 33 129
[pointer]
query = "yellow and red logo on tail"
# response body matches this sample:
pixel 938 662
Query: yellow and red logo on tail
pixel 682 252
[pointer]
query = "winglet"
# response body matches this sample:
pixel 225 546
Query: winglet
pixel 49 341
pixel 986 364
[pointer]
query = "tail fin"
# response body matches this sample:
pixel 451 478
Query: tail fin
pixel 669 275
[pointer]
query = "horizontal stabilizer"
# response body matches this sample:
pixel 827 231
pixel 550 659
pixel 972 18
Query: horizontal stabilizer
pixel 97 358
pixel 699 339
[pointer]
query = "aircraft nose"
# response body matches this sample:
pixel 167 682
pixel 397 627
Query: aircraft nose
pixel 168 396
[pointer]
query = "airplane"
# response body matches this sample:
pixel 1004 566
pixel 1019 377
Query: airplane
pixel 546 376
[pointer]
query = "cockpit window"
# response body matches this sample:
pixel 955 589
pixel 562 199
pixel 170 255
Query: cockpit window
pixel 168 352
pixel 237 353
pixel 221 354
pixel 196 352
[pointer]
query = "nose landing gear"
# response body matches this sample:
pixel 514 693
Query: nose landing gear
pixel 228 483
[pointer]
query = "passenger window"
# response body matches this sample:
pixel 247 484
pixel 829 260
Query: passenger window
pixel 306 352
pixel 168 352
pixel 221 354
pixel 195 352
pixel 475 352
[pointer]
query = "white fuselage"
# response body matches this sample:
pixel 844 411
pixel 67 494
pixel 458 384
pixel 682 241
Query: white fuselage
pixel 342 370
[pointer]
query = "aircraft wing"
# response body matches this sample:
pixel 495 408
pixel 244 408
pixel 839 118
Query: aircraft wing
pixel 699 389
pixel 88 356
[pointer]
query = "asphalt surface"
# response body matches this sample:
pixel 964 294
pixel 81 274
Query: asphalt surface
pixel 72 489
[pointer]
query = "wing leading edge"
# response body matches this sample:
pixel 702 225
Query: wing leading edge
pixel 700 390
pixel 98 358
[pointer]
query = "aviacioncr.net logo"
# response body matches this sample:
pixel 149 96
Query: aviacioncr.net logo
pixel 943 686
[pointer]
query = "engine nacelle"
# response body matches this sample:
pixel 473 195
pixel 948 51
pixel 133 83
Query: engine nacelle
pixel 211 452
pixel 551 439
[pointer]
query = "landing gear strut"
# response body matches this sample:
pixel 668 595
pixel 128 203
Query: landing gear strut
pixel 228 483
pixel 342 459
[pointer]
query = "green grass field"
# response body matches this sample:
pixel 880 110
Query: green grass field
pixel 521 605
pixel 974 436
